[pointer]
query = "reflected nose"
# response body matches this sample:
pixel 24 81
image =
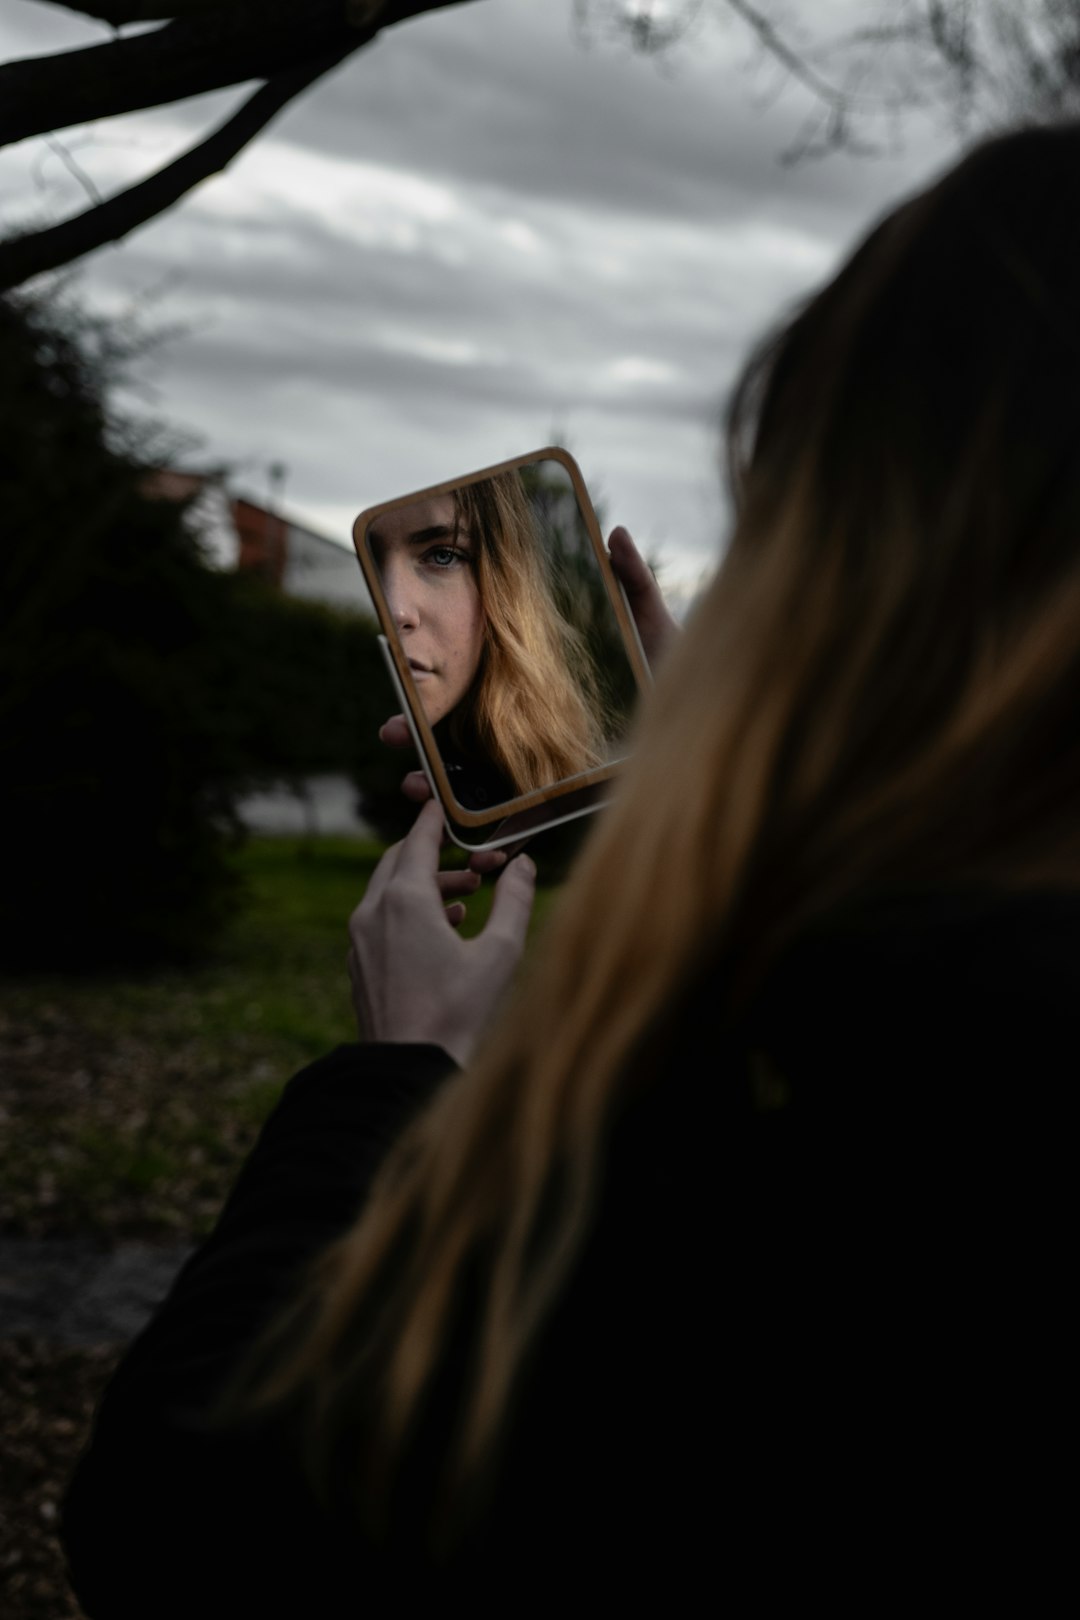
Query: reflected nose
pixel 400 597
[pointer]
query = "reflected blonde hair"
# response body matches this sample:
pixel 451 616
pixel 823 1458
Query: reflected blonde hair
pixel 535 709
pixel 882 688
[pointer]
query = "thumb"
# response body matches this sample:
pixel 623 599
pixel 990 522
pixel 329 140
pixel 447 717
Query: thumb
pixel 513 903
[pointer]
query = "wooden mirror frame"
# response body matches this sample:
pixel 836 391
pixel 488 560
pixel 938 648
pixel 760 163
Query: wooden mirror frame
pixel 525 806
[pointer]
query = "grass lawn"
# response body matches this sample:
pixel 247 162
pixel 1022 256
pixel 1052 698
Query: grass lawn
pixel 128 1102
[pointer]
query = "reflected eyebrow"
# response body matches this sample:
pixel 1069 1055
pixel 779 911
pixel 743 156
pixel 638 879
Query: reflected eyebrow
pixel 438 531
pixel 421 537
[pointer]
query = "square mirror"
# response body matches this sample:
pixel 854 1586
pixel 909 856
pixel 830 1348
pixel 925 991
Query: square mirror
pixel 508 641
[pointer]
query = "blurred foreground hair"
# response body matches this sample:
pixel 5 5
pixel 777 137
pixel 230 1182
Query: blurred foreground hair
pixel 880 690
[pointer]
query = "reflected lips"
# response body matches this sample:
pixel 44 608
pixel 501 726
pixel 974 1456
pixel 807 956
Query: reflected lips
pixel 420 669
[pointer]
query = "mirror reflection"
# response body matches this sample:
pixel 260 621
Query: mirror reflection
pixel 497 598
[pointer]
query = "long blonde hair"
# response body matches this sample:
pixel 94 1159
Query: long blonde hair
pixel 535 709
pixel 881 688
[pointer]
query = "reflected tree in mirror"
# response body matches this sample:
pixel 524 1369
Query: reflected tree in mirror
pixel 579 587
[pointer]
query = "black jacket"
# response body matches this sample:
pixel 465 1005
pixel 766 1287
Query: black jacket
pixel 819 1340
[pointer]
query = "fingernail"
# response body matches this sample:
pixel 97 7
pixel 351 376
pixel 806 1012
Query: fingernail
pixel 526 865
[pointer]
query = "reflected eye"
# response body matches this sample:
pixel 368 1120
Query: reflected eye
pixel 443 557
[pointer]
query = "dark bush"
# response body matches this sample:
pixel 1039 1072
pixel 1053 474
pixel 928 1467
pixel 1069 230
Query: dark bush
pixel 116 817
pixel 140 691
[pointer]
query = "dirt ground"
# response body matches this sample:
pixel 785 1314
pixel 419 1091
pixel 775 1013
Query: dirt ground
pixel 126 1108
pixel 71 1299
pixel 47 1397
pixel 67 1311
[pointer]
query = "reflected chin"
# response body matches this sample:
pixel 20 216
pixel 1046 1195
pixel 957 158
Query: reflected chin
pixel 434 708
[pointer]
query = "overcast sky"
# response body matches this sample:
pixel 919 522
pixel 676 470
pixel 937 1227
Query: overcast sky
pixel 478 234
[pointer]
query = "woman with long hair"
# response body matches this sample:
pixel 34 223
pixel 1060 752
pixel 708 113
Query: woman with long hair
pixel 734 1257
pixel 505 678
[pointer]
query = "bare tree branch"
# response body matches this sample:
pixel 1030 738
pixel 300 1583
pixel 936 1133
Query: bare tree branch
pixel 74 168
pixel 249 41
pixel 118 12
pixel 24 256
pixel 778 47
pixel 983 62
pixel 915 53
pixel 237 41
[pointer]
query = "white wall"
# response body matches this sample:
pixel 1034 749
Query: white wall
pixel 319 570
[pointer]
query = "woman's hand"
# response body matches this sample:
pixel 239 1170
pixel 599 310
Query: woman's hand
pixel 413 977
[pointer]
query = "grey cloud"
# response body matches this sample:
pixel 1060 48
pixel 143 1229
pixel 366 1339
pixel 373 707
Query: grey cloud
pixel 500 95
pixel 299 347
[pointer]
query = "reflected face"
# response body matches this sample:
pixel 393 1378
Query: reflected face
pixel 429 580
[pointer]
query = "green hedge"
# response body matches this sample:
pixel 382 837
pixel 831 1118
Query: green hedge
pixel 140 691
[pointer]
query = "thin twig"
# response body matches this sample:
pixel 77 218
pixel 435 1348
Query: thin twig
pixel 37 251
pixel 73 167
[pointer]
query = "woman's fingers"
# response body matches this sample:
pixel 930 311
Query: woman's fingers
pixel 418 851
pixel 395 732
pixel 512 906
pixel 416 787
pixel 413 977
pixel 419 857
pixel 488 860
pixel 655 624
pixel 381 876
pixel 637 577
pixel 454 883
